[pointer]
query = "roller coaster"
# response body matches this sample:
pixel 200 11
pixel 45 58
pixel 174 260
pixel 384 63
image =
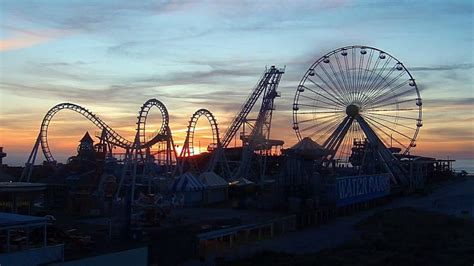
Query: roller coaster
pixel 140 146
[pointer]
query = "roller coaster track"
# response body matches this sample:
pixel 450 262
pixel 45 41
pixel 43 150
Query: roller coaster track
pixel 113 137
pixel 248 105
pixel 188 147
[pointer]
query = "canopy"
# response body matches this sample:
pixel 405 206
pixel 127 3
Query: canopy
pixel 242 182
pixel 12 219
pixel 187 182
pixel 308 148
pixel 306 144
pixel 213 180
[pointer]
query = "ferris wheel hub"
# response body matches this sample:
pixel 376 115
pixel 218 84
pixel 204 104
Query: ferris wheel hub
pixel 352 110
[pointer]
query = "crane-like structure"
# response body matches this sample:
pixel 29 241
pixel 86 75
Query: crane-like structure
pixel 259 136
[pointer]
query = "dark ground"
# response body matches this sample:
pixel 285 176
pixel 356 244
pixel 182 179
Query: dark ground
pixel 402 236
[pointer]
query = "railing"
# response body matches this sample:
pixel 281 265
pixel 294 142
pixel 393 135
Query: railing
pixel 35 256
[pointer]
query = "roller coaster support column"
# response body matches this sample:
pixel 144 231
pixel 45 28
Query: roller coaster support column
pixel 29 165
pixel 131 157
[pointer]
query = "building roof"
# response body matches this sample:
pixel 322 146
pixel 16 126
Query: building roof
pixel 242 182
pixel 12 219
pixel 87 138
pixel 187 182
pixel 21 186
pixel 213 180
pixel 306 144
pixel 308 148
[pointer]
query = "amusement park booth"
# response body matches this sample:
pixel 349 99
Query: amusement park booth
pixel 190 188
pixel 217 187
pixel 19 197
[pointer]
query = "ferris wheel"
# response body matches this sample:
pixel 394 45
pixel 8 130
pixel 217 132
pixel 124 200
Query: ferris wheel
pixel 354 88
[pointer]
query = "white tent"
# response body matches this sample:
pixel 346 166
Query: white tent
pixel 190 187
pixel 308 148
pixel 217 187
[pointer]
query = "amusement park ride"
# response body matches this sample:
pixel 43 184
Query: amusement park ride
pixel 360 94
pixel 357 102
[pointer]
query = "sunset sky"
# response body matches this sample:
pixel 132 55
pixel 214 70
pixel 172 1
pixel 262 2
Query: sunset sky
pixel 112 56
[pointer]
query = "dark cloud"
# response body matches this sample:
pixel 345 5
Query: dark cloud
pixel 443 67
pixel 454 102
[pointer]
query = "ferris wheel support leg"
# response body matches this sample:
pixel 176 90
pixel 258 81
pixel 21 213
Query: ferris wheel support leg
pixel 335 139
pixel 340 137
pixel 394 167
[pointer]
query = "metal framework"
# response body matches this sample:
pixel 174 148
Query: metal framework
pixel 112 137
pixel 260 133
pixel 241 117
pixel 267 86
pixel 188 146
pixel 357 93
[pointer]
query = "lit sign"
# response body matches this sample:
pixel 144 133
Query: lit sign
pixel 354 189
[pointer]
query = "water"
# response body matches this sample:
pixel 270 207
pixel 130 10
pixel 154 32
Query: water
pixel 466 165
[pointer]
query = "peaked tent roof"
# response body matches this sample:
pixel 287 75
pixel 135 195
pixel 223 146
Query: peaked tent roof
pixel 308 149
pixel 187 182
pixel 242 182
pixel 306 144
pixel 87 138
pixel 211 179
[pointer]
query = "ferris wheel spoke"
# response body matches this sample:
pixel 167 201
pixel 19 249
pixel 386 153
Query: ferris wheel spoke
pixel 308 128
pixel 330 94
pixel 341 85
pixel 346 144
pixel 359 132
pixel 364 77
pixel 359 76
pixel 388 121
pixel 341 93
pixel 393 103
pixel 342 72
pixel 318 118
pixel 317 93
pixel 329 86
pixel 390 92
pixel 324 124
pixel 380 84
pixel 391 97
pixel 322 112
pixel 377 78
pixel 394 116
pixel 388 135
pixel 328 106
pixel 387 89
pixel 389 128
pixel 329 123
pixel 367 69
pixel 372 73
pixel 349 76
pixel 325 132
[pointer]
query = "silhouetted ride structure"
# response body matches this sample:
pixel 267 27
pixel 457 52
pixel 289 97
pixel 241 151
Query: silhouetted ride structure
pixel 355 99
pixel 357 112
